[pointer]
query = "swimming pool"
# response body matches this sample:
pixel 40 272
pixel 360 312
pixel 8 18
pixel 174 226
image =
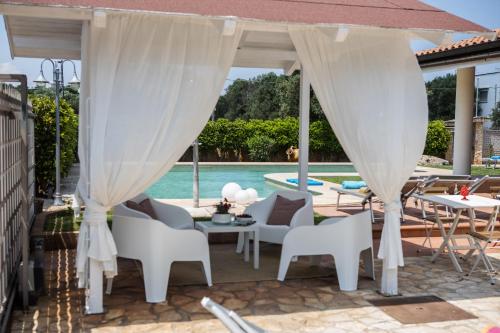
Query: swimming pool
pixel 178 182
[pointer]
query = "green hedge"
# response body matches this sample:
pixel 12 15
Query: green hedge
pixel 250 137
pixel 438 139
pixel 45 140
pixel 265 140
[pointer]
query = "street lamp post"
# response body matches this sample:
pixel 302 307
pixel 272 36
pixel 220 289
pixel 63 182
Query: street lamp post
pixel 58 77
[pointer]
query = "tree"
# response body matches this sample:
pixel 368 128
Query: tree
pixel 266 96
pixel 71 95
pixel 45 143
pixel 221 108
pixel 495 117
pixel 288 92
pixel 237 99
pixel 264 103
pixel 441 97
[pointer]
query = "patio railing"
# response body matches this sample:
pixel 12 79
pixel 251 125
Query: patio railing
pixel 17 190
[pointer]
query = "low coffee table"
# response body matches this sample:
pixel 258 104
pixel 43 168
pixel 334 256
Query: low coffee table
pixel 208 227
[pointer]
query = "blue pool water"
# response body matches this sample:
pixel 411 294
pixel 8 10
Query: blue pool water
pixel 178 182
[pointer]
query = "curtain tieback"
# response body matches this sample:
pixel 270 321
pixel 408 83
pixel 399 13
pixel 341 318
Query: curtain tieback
pixel 393 206
pixel 95 213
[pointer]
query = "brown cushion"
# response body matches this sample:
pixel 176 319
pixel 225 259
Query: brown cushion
pixel 144 206
pixel 283 210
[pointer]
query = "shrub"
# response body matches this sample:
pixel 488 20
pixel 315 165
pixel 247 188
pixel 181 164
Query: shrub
pixel 438 139
pixel 230 138
pixel 260 148
pixel 45 140
pixel 323 140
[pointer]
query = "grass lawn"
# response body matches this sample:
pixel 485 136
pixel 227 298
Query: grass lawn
pixel 65 221
pixel 338 179
pixel 475 170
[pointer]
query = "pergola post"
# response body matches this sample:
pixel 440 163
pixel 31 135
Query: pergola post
pixel 464 108
pixel 94 304
pixel 304 106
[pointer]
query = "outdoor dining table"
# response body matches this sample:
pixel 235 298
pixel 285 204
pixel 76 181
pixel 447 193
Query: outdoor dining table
pixel 459 205
pixel 208 227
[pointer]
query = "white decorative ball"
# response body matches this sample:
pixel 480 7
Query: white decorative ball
pixel 242 197
pixel 252 194
pixel 229 191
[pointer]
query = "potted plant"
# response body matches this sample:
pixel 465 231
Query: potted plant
pixel 221 214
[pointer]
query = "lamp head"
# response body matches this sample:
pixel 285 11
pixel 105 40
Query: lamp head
pixel 41 81
pixel 75 81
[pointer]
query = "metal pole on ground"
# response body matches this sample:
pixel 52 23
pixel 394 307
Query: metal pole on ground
pixel 196 175
pixel 304 106
pixel 58 77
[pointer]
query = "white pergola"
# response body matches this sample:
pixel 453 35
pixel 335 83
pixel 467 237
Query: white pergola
pixel 269 36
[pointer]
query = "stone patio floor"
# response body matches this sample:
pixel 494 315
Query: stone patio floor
pixel 302 305
pixel 299 305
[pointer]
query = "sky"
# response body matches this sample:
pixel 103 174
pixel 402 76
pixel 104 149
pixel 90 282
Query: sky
pixel 483 12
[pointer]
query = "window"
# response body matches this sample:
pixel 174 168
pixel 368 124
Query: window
pixel 483 95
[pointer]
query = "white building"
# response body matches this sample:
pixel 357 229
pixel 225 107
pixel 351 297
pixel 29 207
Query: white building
pixel 488 93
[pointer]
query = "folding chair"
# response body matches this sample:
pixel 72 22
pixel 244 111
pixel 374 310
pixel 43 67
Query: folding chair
pixel 433 185
pixel 481 241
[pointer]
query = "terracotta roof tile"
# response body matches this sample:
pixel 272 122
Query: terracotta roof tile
pixel 459 44
pixel 406 14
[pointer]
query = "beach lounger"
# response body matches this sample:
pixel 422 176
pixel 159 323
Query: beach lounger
pixel 364 194
pixel 487 185
pixel 442 185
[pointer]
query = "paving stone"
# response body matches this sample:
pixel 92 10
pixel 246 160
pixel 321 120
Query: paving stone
pixel 235 304
pixel 290 300
pixel 245 295
pixel 113 314
pixel 178 300
pixel 170 315
pixel 194 307
pixel 325 298
pixel 306 293
pixel 270 284
pixel 298 305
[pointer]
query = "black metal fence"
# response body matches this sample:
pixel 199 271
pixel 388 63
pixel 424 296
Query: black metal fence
pixel 17 190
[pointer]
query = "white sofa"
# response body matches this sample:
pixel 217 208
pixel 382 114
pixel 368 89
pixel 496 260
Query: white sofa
pixel 158 243
pixel 346 239
pixel 261 210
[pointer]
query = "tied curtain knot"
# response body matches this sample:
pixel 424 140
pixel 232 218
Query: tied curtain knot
pixel 95 241
pixel 391 249
pixel 392 207
pixel 95 214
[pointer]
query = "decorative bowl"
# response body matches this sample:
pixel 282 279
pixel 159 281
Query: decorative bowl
pixel 221 218
pixel 244 219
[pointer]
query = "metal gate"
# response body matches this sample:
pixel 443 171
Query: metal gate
pixel 16 190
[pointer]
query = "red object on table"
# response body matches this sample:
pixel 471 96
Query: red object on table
pixel 464 192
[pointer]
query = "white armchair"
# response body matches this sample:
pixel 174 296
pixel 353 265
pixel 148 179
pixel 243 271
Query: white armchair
pixel 343 238
pixel 174 216
pixel 157 244
pixel 261 210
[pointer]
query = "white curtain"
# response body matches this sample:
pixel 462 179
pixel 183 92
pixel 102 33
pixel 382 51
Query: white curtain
pixel 372 91
pixel 149 86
